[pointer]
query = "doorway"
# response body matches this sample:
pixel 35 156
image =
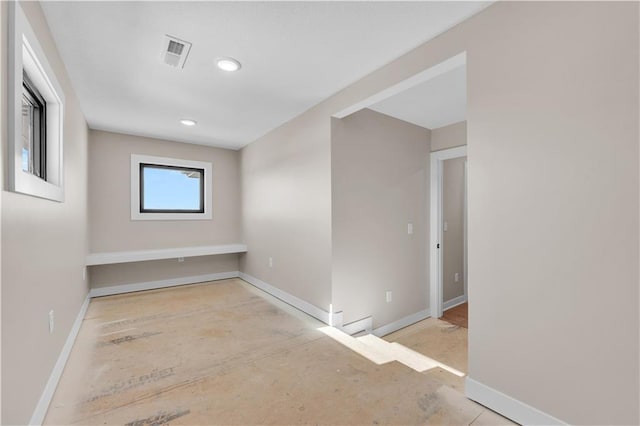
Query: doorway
pixel 448 236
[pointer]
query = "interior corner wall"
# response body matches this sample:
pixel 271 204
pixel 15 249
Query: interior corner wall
pixel 44 244
pixel 111 227
pixel 449 136
pixel 380 185
pixel 553 200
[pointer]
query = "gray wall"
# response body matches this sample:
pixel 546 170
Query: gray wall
pixel 449 136
pixel 453 238
pixel 43 251
pixel 379 175
pixel 110 224
pixel 553 163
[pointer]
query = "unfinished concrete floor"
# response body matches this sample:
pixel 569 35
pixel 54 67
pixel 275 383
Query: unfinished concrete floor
pixel 227 353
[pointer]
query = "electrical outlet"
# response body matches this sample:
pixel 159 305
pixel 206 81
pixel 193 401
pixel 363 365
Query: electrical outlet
pixel 270 262
pixel 181 259
pixel 445 226
pixel 456 277
pixel 389 296
pixel 51 321
pixel 409 228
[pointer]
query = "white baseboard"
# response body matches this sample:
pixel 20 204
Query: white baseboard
pixel 306 307
pixel 45 399
pixel 365 324
pixel 507 406
pixel 402 323
pixel 153 285
pixel 454 302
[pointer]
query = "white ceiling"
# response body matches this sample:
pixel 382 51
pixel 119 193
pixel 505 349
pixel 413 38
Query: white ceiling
pixel 293 54
pixel 437 102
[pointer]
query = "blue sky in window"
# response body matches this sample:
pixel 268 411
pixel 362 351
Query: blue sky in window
pixel 25 159
pixel 170 189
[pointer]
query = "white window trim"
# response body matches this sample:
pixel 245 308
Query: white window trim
pixel 25 53
pixel 135 188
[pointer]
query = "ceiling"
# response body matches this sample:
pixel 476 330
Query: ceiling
pixel 293 55
pixel 437 102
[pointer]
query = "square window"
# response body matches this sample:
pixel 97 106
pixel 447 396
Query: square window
pixel 170 189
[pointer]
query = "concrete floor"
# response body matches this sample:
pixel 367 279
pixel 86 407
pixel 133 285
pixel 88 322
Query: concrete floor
pixel 227 353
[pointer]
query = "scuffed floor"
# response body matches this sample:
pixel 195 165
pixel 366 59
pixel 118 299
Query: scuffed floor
pixel 226 353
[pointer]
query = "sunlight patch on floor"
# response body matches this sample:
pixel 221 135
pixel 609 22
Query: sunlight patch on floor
pixel 380 351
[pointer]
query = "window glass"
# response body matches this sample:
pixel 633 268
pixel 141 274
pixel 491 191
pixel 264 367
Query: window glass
pixel 170 189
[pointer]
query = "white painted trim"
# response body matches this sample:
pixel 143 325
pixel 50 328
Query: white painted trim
pixel 454 302
pixel 435 225
pixel 464 231
pixel 154 285
pixel 402 323
pixel 364 324
pixel 25 53
pixel 169 253
pixel 45 399
pixel 507 406
pixel 306 307
pixel 135 188
pixel 436 70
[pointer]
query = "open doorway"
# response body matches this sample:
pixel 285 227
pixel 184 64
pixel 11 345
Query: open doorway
pixel 449 299
pixel 398 178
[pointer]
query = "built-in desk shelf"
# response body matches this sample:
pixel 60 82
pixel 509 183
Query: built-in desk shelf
pixel 108 258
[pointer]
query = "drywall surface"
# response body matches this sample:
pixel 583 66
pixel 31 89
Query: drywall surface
pixel 159 270
pixel 379 179
pixel 449 136
pixel 286 208
pixel 553 207
pixel 453 237
pixel 553 164
pixel 43 251
pixel 111 227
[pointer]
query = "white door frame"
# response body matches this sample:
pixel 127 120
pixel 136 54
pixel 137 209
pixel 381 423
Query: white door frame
pixel 435 234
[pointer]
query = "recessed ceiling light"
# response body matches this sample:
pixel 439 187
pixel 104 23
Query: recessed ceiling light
pixel 188 122
pixel 228 64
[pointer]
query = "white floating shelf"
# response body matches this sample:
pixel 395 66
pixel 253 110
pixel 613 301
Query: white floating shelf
pixel 170 253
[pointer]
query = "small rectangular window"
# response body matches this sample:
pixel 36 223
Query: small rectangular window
pixel 34 130
pixel 171 189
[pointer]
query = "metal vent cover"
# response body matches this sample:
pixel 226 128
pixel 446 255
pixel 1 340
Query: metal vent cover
pixel 175 51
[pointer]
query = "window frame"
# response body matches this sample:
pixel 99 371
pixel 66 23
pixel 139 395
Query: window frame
pixel 40 132
pixel 26 56
pixel 164 166
pixel 137 211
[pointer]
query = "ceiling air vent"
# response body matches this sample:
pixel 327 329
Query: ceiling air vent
pixel 175 51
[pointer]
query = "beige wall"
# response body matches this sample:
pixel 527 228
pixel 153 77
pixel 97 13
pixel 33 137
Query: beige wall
pixel 43 251
pixel 379 175
pixel 553 163
pixel 449 136
pixel 111 227
pixel 286 208
pixel 453 238
pixel 158 270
